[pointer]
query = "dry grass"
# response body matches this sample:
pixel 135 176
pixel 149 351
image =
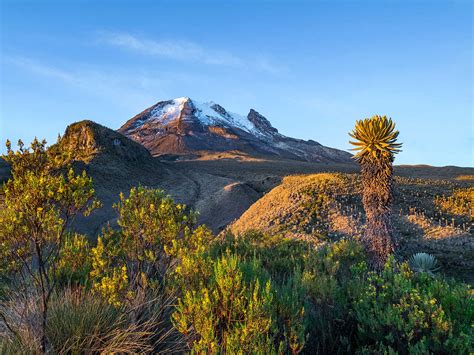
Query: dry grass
pixel 318 205
pixel 81 322
pixel 465 178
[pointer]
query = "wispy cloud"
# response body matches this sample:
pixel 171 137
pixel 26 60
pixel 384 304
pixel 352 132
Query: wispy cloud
pixel 124 89
pixel 41 69
pixel 186 51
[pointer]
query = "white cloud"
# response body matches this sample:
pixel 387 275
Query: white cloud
pixel 124 89
pixel 186 51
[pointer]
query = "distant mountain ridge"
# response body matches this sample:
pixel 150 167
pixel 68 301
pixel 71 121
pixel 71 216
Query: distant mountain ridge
pixel 184 127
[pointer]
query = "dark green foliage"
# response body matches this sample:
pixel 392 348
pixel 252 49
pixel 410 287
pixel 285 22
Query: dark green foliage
pixel 290 318
pixel 326 278
pixel 279 255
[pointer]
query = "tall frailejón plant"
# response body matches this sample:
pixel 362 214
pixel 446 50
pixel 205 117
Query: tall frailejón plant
pixel 376 144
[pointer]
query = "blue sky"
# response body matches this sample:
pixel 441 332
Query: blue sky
pixel 312 68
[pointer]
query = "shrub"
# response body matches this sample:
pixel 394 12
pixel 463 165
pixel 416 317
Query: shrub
pixel 193 264
pixel 261 257
pixel 228 314
pixel 136 257
pixel 326 280
pixel 411 313
pixel 74 263
pixel 291 321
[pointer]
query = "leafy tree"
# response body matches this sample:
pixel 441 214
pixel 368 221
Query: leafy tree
pixel 41 200
pixel 375 143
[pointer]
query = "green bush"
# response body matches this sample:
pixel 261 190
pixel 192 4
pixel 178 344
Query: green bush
pixel 248 262
pixel 412 313
pixel 354 310
pixel 290 314
pixel 228 314
pixel 41 199
pixel 129 260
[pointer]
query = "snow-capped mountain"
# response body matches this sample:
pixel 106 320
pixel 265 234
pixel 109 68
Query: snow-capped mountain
pixel 184 127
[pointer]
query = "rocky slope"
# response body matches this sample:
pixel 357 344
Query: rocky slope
pixel 186 128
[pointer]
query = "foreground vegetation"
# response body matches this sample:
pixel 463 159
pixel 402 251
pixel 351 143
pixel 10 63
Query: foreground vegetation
pixel 155 281
pixel 254 294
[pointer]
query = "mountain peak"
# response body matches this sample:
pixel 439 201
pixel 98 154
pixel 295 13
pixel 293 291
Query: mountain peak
pixel 182 99
pixel 260 122
pixel 183 109
pixel 186 127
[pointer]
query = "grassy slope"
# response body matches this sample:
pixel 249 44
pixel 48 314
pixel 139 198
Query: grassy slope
pixel 321 207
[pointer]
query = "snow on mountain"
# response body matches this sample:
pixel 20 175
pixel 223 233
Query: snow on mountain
pixel 184 127
pixel 208 114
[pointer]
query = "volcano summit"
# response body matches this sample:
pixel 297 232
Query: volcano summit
pixel 184 128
